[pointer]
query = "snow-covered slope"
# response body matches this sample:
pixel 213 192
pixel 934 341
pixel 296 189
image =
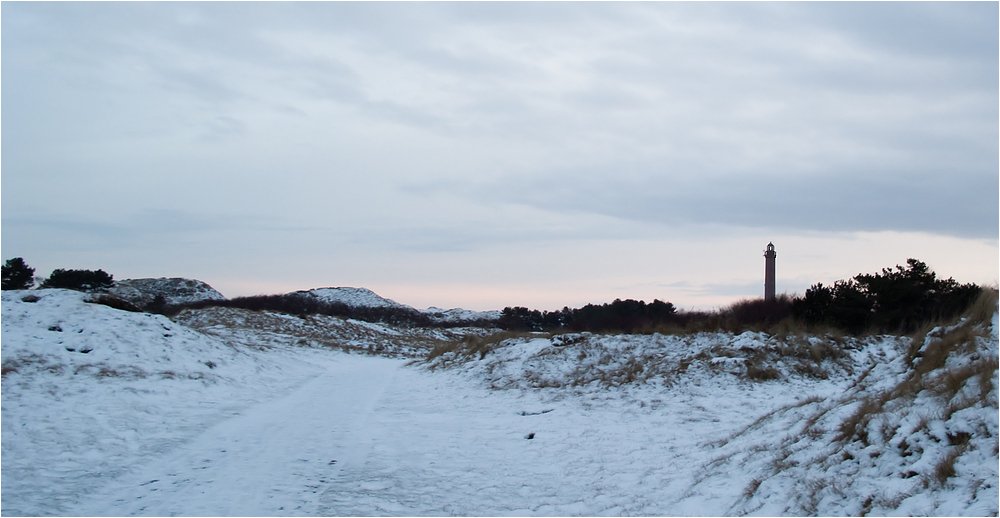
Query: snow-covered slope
pixel 175 291
pixel 363 297
pixel 460 315
pixel 270 328
pixel 354 297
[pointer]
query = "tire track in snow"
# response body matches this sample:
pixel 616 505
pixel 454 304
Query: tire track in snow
pixel 274 459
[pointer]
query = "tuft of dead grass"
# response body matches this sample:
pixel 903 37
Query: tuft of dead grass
pixel 112 301
pixel 758 372
pixel 982 309
pixel 945 467
pixel 8 367
pixel 478 345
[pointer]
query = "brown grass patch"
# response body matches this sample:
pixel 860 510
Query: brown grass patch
pixel 115 302
pixel 982 309
pixel 478 345
pixel 945 468
pixel 8 367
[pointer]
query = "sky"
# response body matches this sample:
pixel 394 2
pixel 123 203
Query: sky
pixel 483 155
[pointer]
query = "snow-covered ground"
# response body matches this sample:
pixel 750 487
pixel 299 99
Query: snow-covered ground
pixel 107 412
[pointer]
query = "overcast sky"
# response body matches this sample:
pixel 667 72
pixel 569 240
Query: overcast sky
pixel 484 155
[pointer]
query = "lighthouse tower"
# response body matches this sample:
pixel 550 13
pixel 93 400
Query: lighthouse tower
pixel 769 256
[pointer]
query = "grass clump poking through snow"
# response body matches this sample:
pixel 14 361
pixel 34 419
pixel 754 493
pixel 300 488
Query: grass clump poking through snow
pixel 473 346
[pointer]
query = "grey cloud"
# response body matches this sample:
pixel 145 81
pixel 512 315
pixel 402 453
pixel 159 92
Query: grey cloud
pixel 660 112
pixel 959 205
pixel 138 226
pixel 734 289
pixel 221 127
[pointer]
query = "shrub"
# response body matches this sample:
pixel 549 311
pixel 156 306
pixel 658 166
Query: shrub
pixel 900 300
pixel 80 280
pixel 17 275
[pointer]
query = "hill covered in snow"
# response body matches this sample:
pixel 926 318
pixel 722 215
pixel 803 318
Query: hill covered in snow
pixel 365 298
pixel 172 291
pixel 223 411
pixel 354 297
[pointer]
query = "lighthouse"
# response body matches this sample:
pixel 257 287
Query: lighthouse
pixel 769 256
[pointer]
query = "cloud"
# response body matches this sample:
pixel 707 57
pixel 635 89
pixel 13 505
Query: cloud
pixel 449 130
pixel 866 200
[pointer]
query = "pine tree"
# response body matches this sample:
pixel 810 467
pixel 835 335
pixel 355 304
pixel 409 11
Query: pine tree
pixel 17 275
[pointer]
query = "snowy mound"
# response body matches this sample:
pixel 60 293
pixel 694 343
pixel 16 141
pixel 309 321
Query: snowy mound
pixel 142 292
pixel 354 297
pixel 460 315
pixel 58 330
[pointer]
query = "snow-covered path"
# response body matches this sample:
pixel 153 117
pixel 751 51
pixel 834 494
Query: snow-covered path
pixel 371 436
pixel 441 445
pixel 274 459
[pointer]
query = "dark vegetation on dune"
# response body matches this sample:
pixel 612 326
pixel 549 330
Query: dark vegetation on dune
pixel 896 300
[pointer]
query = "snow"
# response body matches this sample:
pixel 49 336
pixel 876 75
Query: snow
pixel 354 297
pixel 174 291
pixel 362 297
pixel 231 412
pixel 460 315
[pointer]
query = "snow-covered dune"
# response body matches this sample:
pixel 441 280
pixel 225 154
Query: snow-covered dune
pixel 354 297
pixel 460 315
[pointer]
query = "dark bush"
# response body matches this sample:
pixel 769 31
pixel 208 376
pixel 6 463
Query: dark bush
pixel 80 280
pixel 17 275
pixel 898 300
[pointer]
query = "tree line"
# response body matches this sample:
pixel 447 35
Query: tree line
pixel 627 316
pixel 895 300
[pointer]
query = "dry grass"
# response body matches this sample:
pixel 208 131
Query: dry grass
pixel 105 371
pixel 758 372
pixel 752 487
pixel 114 302
pixel 11 365
pixel 938 344
pixel 945 467
pixel 981 311
pixel 8 367
pixel 855 426
pixel 478 345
